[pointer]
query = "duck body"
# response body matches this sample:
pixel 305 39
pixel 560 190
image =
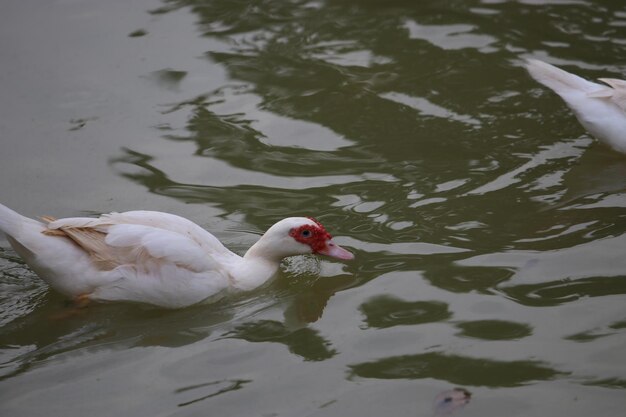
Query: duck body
pixel 600 108
pixel 153 257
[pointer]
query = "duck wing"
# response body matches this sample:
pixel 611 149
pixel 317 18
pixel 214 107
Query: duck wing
pixel 142 238
pixel 616 92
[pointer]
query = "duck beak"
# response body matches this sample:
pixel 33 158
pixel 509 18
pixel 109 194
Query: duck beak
pixel 335 251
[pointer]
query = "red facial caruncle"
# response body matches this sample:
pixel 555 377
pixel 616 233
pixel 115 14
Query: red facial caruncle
pixel 313 235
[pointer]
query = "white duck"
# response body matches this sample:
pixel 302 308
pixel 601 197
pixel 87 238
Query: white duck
pixel 601 109
pixel 153 257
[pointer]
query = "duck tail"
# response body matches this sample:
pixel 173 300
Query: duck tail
pixel 562 82
pixel 11 222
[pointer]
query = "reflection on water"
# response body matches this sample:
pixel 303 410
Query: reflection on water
pixel 554 293
pixel 217 388
pixel 456 370
pixel 167 78
pixel 303 342
pixel 488 227
pixel 494 330
pixel 385 311
pixel 61 329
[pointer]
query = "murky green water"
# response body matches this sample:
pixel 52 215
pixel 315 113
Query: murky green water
pixel 489 228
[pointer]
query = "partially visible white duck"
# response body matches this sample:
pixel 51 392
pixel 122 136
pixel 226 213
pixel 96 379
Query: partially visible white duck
pixel 601 109
pixel 152 257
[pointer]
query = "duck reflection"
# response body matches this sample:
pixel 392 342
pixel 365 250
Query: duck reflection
pixel 24 341
pixel 599 173
pixel 303 308
pixel 304 342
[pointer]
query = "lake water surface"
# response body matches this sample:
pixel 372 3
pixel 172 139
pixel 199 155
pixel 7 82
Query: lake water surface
pixel 489 229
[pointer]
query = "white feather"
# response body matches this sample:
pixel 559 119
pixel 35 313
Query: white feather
pixel 601 109
pixel 161 244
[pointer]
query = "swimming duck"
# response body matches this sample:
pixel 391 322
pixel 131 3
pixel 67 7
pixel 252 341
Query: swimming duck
pixel 601 109
pixel 153 257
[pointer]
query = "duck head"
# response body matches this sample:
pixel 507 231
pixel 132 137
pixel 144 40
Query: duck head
pixel 297 236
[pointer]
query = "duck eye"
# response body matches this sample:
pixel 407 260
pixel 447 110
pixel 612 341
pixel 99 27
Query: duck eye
pixel 306 233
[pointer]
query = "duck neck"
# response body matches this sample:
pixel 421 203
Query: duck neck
pixel 252 272
pixel 256 267
pixel 264 249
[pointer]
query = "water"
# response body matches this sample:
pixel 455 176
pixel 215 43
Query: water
pixel 488 226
